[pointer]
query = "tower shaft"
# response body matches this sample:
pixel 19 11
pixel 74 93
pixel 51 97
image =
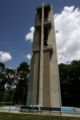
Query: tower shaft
pixel 44 84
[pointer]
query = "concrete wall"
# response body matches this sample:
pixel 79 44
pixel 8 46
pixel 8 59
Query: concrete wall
pixel 51 84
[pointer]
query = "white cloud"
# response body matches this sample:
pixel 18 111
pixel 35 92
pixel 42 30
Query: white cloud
pixel 67 25
pixel 29 36
pixel 28 56
pixel 5 56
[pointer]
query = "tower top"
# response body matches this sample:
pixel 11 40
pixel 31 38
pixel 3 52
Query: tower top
pixel 47 7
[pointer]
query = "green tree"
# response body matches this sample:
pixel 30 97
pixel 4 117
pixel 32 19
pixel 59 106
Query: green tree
pixel 22 85
pixel 2 67
pixel 2 80
pixel 70 83
pixel 9 84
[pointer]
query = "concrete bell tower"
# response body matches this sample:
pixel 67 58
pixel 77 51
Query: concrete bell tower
pixel 44 84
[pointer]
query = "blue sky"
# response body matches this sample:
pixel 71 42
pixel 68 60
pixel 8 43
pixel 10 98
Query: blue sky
pixel 16 19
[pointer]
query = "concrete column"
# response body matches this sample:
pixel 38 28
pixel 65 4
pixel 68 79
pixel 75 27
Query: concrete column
pixel 41 59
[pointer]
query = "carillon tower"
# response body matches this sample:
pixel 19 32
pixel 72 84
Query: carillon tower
pixel 44 84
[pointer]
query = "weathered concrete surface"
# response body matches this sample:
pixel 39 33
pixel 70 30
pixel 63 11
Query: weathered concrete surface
pixel 44 86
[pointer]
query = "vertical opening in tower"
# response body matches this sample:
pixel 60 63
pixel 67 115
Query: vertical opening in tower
pixel 46 24
pixel 46 34
pixel 45 37
pixel 46 14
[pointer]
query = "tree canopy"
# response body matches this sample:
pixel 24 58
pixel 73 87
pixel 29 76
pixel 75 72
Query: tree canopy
pixel 14 83
pixel 70 83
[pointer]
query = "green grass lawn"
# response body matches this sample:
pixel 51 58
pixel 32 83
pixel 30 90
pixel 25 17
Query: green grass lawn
pixel 8 116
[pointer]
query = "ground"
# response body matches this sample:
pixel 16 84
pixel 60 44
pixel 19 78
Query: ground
pixel 8 116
